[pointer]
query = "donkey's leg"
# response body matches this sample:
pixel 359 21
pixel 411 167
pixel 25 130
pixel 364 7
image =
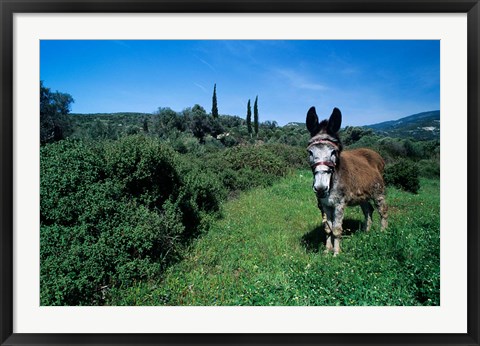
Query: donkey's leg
pixel 367 211
pixel 328 226
pixel 337 227
pixel 381 205
pixel 328 244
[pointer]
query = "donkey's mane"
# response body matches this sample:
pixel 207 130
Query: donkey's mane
pixel 322 126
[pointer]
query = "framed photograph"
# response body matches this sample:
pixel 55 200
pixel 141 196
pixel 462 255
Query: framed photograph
pixel 208 172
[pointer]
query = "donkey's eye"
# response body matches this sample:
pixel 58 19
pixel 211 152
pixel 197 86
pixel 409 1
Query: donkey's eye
pixel 333 158
pixel 310 152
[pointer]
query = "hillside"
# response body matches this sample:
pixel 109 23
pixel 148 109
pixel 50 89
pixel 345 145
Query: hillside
pixel 422 126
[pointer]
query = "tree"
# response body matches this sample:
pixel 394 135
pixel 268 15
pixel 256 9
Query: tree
pixel 54 108
pixel 102 130
pixel 249 118
pixel 271 125
pixel 255 115
pixel 199 110
pixel 145 125
pixel 199 124
pixel 352 134
pixel 404 175
pixel 167 120
pixel 214 102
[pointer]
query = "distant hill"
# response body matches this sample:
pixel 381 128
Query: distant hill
pixel 421 126
pixel 424 126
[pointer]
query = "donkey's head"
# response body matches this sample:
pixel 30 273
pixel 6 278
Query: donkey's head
pixel 323 149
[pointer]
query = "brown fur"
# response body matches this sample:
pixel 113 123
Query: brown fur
pixel 360 172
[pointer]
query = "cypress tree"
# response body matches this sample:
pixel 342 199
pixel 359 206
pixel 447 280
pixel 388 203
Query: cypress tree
pixel 249 118
pixel 255 115
pixel 214 102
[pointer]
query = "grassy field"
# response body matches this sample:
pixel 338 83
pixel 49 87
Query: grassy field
pixel 267 249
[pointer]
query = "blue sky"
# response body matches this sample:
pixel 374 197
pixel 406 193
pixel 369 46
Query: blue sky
pixel 369 81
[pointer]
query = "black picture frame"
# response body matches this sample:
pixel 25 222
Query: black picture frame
pixel 10 7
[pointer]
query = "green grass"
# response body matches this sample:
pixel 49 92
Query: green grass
pixel 268 250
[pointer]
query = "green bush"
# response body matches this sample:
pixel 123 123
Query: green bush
pixel 404 175
pixel 145 169
pixel 248 166
pixel 199 197
pixel 293 157
pixel 113 213
pixel 184 143
pixel 67 170
pixel 429 168
pixel 258 158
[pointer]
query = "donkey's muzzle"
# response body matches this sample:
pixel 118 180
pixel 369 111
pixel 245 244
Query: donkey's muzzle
pixel 321 191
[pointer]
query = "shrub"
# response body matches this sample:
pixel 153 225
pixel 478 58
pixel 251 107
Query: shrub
pixel 258 158
pixel 199 199
pixel 429 168
pixel 145 169
pixel 80 263
pixel 113 213
pixel 404 175
pixel 244 167
pixel 293 157
pixel 67 169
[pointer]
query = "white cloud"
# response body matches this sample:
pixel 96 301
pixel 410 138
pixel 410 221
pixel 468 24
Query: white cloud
pixel 300 81
pixel 209 65
pixel 201 87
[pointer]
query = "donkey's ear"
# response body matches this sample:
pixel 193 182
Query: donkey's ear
pixel 312 121
pixel 334 122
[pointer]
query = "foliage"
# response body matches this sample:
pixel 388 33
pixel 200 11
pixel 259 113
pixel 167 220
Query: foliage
pixel 404 175
pixel 200 126
pixel 168 121
pixel 108 126
pixel 145 124
pixel 294 157
pixel 352 134
pixel 214 102
pixel 429 168
pixel 249 118
pixel 54 108
pixel 113 213
pixel 255 115
pixel 245 167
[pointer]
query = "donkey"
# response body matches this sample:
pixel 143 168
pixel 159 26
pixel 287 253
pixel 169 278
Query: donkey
pixel 341 178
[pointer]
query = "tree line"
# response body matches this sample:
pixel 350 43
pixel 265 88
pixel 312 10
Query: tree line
pixel 56 124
